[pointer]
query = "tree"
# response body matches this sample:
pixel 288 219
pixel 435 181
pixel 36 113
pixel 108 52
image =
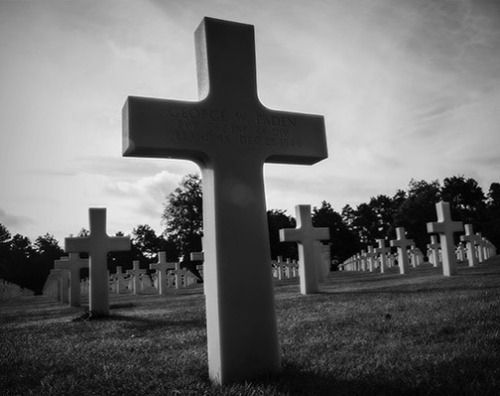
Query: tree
pixel 466 198
pixel 348 216
pixel 383 207
pixel 183 216
pixel 47 250
pixel 366 224
pixel 4 251
pixel 19 259
pixel 343 242
pixel 493 201
pixel 276 220
pixel 145 240
pixel 398 199
pixel 491 220
pixel 146 244
pixel 4 234
pixel 83 233
pixel 418 209
pixel 48 245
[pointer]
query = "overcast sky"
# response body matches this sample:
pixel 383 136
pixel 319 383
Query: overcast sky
pixel 409 89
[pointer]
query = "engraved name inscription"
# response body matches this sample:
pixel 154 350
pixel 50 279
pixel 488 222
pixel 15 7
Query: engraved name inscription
pixel 213 126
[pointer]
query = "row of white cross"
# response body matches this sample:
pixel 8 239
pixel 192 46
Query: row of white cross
pixel 97 244
pixel 285 269
pixel 289 268
pixel 10 290
pixel 379 258
pixel 63 282
pixel 478 248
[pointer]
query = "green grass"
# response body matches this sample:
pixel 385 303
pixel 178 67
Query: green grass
pixel 364 334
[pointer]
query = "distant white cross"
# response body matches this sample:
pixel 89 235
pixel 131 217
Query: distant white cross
pixel 480 247
pixel 402 243
pixel 98 244
pixel 434 247
pixel 73 264
pixel 382 250
pixel 136 273
pixel 371 256
pixel 305 235
pixel 446 227
pixel 61 279
pixel 161 267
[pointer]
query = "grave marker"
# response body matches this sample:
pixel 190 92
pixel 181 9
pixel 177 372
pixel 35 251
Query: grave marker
pixel 363 259
pixel 382 250
pixel 136 273
pixel 371 257
pixel 98 244
pixel 161 267
pixel 58 282
pixel 118 277
pixel 73 264
pixel 445 227
pixel 402 243
pixel 480 246
pixel 230 135
pixel 460 253
pixel 434 247
pixel 305 235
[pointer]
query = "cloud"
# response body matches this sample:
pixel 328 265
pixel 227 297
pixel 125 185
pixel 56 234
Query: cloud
pixel 144 198
pixel 10 220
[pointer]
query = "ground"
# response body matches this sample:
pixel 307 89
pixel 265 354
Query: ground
pixel 364 333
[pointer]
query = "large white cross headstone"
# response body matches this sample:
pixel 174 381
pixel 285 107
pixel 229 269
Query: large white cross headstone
pixel 230 135
pixel 446 227
pixel 73 264
pixel 402 243
pixel 305 235
pixel 98 244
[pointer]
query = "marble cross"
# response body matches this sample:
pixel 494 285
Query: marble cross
pixel 73 264
pixel 305 235
pixel 402 243
pixel 446 227
pixel 230 134
pixel 97 244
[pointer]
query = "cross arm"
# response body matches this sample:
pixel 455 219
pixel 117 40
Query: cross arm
pixel 118 244
pixel 290 234
pixel 161 128
pixel 77 245
pixel 63 264
pixel 292 138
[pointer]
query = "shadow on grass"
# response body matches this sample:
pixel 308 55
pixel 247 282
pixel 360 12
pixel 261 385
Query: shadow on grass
pixel 460 376
pixel 405 290
pixel 140 322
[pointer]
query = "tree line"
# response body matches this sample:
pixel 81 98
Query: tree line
pixel 353 228
pixel 28 263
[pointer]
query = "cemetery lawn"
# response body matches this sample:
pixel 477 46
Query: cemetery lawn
pixel 364 333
